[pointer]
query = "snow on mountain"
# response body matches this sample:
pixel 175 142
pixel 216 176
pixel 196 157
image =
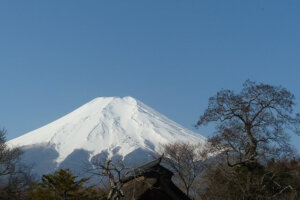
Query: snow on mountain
pixel 110 126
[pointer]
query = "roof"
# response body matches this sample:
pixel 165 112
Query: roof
pixel 148 167
pixel 151 181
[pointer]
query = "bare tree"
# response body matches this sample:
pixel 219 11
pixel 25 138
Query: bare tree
pixel 9 157
pixel 251 124
pixel 14 176
pixel 131 179
pixel 252 127
pixel 186 161
pixel 114 171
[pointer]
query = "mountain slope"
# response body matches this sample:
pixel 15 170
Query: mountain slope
pixel 110 126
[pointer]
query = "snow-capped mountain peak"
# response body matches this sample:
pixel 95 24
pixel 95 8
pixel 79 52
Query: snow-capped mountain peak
pixel 116 126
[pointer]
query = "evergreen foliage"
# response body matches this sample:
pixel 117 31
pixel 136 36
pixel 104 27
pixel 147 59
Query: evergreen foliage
pixel 62 185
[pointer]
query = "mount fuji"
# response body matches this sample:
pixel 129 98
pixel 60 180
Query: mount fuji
pixel 106 126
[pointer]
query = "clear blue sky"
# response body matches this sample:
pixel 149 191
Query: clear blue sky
pixel 172 55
